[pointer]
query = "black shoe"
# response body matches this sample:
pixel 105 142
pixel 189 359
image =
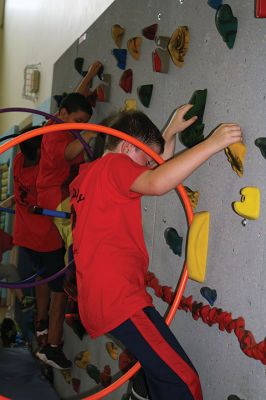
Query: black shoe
pixel 54 357
pixel 139 390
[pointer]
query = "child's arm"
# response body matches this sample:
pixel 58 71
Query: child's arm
pixel 83 87
pixel 168 175
pixel 176 125
pixel 74 148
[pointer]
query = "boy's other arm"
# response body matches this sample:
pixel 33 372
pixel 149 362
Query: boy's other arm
pixel 176 125
pixel 74 148
pixel 168 175
pixel 83 87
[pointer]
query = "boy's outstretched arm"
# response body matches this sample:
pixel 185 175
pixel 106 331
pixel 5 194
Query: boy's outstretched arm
pixel 168 175
pixel 74 148
pixel 176 125
pixel 83 87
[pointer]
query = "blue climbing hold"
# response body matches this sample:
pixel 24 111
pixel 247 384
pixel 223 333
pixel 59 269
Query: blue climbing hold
pixel 209 294
pixel 215 3
pixel 121 57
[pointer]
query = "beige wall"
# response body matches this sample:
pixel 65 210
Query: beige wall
pixel 38 31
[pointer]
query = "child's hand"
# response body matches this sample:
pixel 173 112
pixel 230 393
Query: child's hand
pixel 94 68
pixel 88 136
pixel 225 135
pixel 178 123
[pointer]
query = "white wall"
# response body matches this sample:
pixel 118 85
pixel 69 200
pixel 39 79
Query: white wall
pixel 38 31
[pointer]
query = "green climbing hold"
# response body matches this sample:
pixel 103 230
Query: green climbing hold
pixel 261 144
pixel 194 133
pixel 93 372
pixel 226 24
pixel 145 93
pixel 173 240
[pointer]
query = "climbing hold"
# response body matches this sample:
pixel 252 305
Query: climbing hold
pixel 59 97
pixel 134 45
pixel 236 154
pixel 173 240
pixel 197 247
pixel 93 372
pixel 112 350
pixel 66 374
pixel 162 41
pixel 160 60
pixel 105 376
pixel 76 384
pixel 178 45
pixel 261 144
pixel 103 90
pixel 130 104
pixel 209 294
pixel 82 359
pixel 249 206
pixel 193 197
pixel 126 361
pixel 145 93
pixel 121 57
pixel 78 62
pixel 215 3
pixel 150 31
pixel 233 397
pixel 126 81
pixel 117 34
pixel 226 24
pixel 194 133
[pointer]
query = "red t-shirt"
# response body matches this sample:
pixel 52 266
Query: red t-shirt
pixel 109 250
pixel 55 172
pixel 33 231
pixel 6 243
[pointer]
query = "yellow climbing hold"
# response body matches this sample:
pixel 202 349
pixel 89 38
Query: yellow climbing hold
pixel 193 197
pixel 112 350
pixel 130 104
pixel 249 206
pixel 236 154
pixel 197 247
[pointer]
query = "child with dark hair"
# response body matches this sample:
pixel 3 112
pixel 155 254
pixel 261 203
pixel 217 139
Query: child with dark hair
pixel 61 155
pixel 40 246
pixel 110 254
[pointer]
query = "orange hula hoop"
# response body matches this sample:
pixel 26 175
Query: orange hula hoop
pixel 180 188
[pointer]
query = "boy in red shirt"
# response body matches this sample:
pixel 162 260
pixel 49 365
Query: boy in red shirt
pixel 111 256
pixel 61 155
pixel 41 247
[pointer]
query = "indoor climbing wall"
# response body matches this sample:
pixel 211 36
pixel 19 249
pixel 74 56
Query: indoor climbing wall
pixel 158 55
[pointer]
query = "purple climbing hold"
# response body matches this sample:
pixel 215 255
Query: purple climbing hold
pixel 209 294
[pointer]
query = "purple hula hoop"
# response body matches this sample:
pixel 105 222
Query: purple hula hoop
pixel 25 285
pixel 53 118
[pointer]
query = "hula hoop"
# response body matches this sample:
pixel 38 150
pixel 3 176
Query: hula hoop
pixel 180 188
pixel 53 118
pixel 25 284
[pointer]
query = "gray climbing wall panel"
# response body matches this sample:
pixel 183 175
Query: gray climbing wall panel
pixel 236 85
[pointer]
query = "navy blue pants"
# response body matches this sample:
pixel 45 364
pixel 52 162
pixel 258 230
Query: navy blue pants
pixel 168 371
